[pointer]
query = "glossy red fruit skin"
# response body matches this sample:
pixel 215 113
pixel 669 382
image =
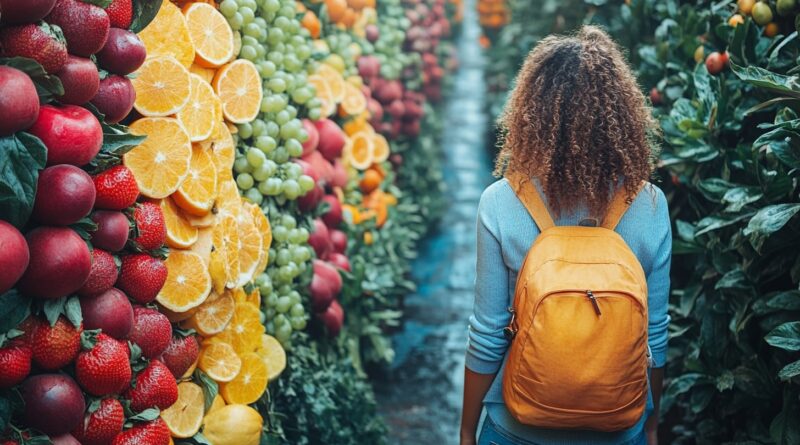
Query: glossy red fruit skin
pixel 120 12
pixel 85 26
pixel 142 277
pixel 333 318
pixel 15 364
pixel 333 217
pixel 14 256
pixel 65 439
pixel 60 263
pixel 102 276
pixel 151 330
pixel 180 354
pixel 155 387
pixel 64 195
pixel 15 12
pixel 151 226
pixel 339 260
pixel 123 53
pixel 110 312
pixel 104 369
pixel 339 240
pixel 116 188
pixel 71 134
pixel 154 432
pixel 34 41
pixel 112 230
pixel 103 425
pixel 80 79
pixel 54 347
pixel 716 62
pixel 115 98
pixel 19 102
pixel 54 403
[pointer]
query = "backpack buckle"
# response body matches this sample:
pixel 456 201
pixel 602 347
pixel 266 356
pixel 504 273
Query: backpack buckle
pixel 510 331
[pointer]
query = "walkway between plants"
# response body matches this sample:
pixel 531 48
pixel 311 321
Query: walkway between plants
pixel 420 397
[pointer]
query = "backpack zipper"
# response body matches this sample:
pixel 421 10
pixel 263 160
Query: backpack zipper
pixel 593 299
pixel 510 331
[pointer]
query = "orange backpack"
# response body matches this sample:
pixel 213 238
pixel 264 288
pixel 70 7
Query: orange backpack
pixel 579 353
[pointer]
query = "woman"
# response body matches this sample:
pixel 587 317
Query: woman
pixel 578 125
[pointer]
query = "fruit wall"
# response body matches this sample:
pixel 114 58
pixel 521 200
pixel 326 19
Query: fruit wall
pixel 208 212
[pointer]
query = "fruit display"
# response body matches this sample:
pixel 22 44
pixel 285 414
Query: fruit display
pixel 721 80
pixel 194 192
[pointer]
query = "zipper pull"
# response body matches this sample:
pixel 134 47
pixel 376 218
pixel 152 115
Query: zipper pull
pixel 593 299
pixel 510 331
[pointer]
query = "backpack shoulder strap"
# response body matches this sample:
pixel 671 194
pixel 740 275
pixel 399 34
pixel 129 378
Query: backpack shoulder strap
pixel 618 206
pixel 531 199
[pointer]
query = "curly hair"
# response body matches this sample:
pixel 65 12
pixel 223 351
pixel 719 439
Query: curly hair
pixel 577 121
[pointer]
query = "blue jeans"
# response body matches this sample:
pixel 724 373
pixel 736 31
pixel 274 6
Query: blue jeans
pixel 492 434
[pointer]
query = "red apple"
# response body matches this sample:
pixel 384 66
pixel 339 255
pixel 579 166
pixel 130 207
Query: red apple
pixel 54 403
pixel 372 33
pixel 339 177
pixel 321 293
pixel 115 98
pixel 14 256
pixel 123 53
pixel 64 195
pixel 331 139
pixel 321 166
pixel 369 67
pixel 333 318
pixel 60 263
pixel 339 240
pixel 313 137
pixel 110 311
pixel 112 230
pixel 328 273
pixel 333 217
pixel 19 102
pixel 339 260
pixel 320 239
pixel 390 92
pixel 72 134
pixel 80 79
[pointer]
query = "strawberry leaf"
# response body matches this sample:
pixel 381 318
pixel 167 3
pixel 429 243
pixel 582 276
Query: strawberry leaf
pixel 84 227
pixel 37 440
pixel 89 339
pixel 22 156
pixel 197 439
pixel 54 309
pixel 73 311
pixel 210 387
pixel 14 308
pixel 101 3
pixel 183 332
pixel 144 11
pixel 138 361
pixel 146 415
pixel 48 86
pixel 5 412
pixel 116 142
pixel 94 405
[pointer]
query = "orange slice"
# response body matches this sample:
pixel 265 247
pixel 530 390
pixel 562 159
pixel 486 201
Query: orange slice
pixel 223 151
pixel 262 225
pixel 206 73
pixel 162 87
pixel 229 202
pixel 185 416
pixel 273 355
pixel 197 193
pixel 354 102
pixel 361 150
pixel 226 248
pixel 245 329
pixel 381 149
pixel 213 316
pixel 254 298
pixel 324 94
pixel 210 33
pixel 250 246
pixel 219 361
pixel 204 244
pixel 168 35
pixel 334 80
pixel 180 234
pixel 249 385
pixel 198 116
pixel 188 282
pixel 238 86
pixel 202 222
pixel 161 162
pixel 357 124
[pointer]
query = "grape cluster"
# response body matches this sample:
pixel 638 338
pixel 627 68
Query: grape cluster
pixel 389 46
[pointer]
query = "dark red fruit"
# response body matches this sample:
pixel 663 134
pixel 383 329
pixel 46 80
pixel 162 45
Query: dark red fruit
pixel 116 188
pixel 372 33
pixel 64 195
pixel 716 62
pixel 181 353
pixel 39 42
pixel 154 432
pixel 150 225
pixel 339 240
pixel 60 263
pixel 123 52
pixel 85 26
pixel 56 346
pixel 54 403
pixel 112 230
pixel 333 217
pixel 120 12
pixel 65 439
pixel 72 134
pixel 14 256
pixel 80 80
pixel 142 277
pixel 102 276
pixel 104 369
pixel 320 239
pixel 110 312
pixel 333 318
pixel 19 102
pixel 339 261
pixel 155 387
pixel 15 364
pixel 151 330
pixel 102 426
pixel 115 98
pixel 16 12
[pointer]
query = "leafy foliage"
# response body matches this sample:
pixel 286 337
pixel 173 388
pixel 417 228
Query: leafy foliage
pixel 22 156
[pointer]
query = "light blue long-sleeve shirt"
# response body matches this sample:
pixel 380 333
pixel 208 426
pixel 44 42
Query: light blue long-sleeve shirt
pixel 505 234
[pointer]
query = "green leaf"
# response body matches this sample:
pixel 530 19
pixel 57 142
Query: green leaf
pixel 714 189
pixel 73 311
pixel 785 429
pixel 767 221
pixel 47 86
pixel 54 309
pixel 101 3
pixel 768 80
pixel 144 11
pixel 785 336
pixel 21 157
pixel 14 308
pixel 146 415
pixel 738 197
pixel 210 387
pixel 790 370
pixel 5 413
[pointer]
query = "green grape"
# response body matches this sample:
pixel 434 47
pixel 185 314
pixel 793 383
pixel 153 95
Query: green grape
pixel 248 52
pixel 252 30
pixel 285 274
pixel 292 63
pixel 280 155
pixel 271 166
pixel 306 182
pixel 272 104
pixel 277 85
pixel 266 144
pixel 267 67
pixel 265 288
pixel 272 300
pixel 245 131
pixel 291 189
pixel 254 196
pixel 288 220
pixel 236 21
pixel 304 235
pixel 294 170
pixel 259 127
pixel 240 165
pixel 284 333
pixel 292 128
pixel 247 14
pixel 298 323
pixel 273 129
pixel 261 174
pixel 284 257
pixel 314 114
pixel 275 36
pixel 285 289
pixel 282 117
pixel 280 234
pixel 270 326
pixel 302 95
pixel 298 254
pixel 271 6
pixel 284 304
pixel 250 41
pixel 256 157
pixel 282 22
pixel 270 314
pixel 273 187
pixel 295 296
pixel 261 50
pixel 228 8
pixel 303 135
pixel 245 181
pixel 294 148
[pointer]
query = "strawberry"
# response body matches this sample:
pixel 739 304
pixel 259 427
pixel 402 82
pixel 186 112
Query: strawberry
pixel 43 43
pixel 181 354
pixel 154 432
pixel 121 13
pixel 103 425
pixel 141 277
pixel 85 26
pixel 28 327
pixel 103 368
pixel 55 346
pixel 150 225
pixel 15 363
pixel 116 188
pixel 155 386
pixel 102 276
pixel 151 331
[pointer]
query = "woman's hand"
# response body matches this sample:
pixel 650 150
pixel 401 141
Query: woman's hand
pixel 467 439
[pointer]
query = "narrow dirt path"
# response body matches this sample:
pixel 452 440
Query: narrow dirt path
pixel 421 396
